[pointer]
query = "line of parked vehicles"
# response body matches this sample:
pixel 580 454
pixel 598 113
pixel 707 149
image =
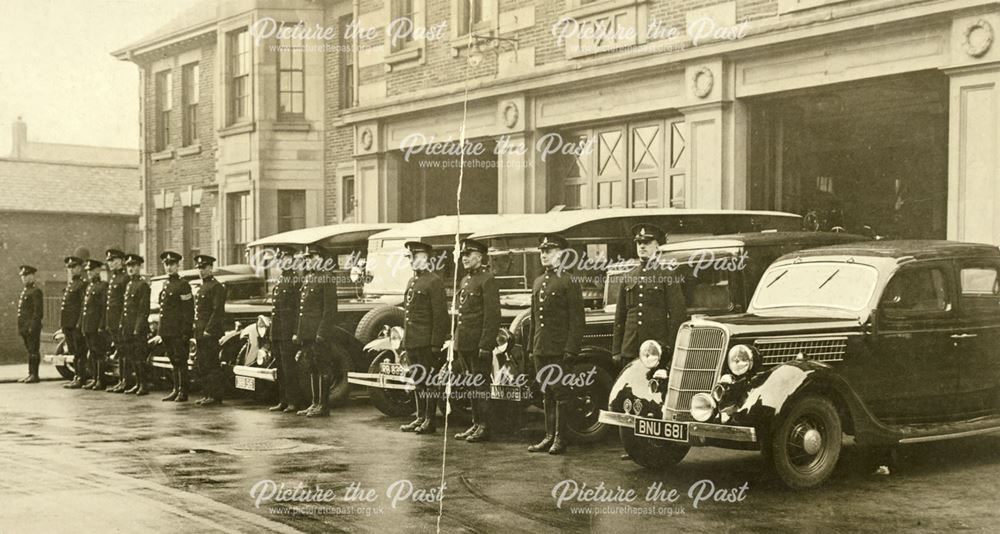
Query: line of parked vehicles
pixel 795 337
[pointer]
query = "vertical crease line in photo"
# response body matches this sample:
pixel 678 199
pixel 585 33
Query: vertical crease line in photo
pixel 454 279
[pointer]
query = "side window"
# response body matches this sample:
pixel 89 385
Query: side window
pixel 917 292
pixel 980 288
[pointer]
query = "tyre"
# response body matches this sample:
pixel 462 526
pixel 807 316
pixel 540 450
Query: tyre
pixel 652 453
pixel 586 404
pixel 805 445
pixel 65 371
pixel 392 402
pixel 339 387
pixel 370 326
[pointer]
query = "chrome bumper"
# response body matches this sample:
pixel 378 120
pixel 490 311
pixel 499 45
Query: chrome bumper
pixel 260 373
pixel 695 430
pixel 58 359
pixel 162 362
pixel 381 381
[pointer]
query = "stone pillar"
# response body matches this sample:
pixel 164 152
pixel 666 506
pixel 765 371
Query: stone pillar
pixel 974 131
pixel 520 174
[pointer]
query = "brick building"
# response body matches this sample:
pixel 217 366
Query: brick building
pixel 878 112
pixel 57 200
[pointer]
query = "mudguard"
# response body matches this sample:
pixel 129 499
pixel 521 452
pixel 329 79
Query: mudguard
pixel 636 382
pixel 379 344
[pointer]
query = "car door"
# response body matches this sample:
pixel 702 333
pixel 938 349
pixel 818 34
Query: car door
pixel 978 341
pixel 912 375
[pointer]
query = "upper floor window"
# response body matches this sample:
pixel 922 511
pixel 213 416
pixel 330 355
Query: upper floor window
pixel 164 103
pixel 239 64
pixel 346 65
pixel 190 76
pixel 403 21
pixel 291 78
pixel 471 15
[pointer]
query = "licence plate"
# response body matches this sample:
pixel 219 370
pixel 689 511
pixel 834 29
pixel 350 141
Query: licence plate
pixel 390 368
pixel 658 429
pixel 246 382
pixel 506 392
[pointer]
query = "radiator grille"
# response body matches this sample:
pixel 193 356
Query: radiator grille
pixel 820 349
pixel 695 366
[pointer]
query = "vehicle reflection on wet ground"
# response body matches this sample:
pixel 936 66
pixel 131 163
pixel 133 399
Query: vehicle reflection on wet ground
pixel 153 467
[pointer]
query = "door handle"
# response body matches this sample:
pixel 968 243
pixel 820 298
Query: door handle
pixel 962 336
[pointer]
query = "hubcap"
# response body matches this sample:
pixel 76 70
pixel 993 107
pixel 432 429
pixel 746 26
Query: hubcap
pixel 812 441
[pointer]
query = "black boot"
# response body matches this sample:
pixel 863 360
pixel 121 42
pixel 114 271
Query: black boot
pixel 429 426
pixel 182 388
pixel 482 432
pixel 119 386
pixel 550 428
pixel 173 393
pixel 134 388
pixel 475 423
pixel 312 388
pixel 322 397
pixel 413 425
pixel 33 361
pixel 559 442
pixel 141 378
pixel 97 382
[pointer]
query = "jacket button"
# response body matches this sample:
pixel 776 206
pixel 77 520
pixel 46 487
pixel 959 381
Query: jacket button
pixel 640 304
pixel 640 314
pixel 640 322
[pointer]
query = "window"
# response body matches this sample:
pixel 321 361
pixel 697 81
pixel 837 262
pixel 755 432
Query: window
pixel 917 291
pixel 239 75
pixel 164 231
pixel 980 289
pixel 291 78
pixel 346 65
pixel 470 15
pixel 347 209
pixel 402 32
pixel 164 102
pixel 240 225
pixel 192 233
pixel 190 77
pixel 291 210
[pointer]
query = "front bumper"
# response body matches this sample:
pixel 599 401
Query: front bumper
pixel 745 434
pixel 162 362
pixel 58 360
pixel 259 373
pixel 381 381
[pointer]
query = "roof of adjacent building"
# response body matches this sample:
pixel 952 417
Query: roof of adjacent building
pixel 200 16
pixel 42 186
pixel 81 154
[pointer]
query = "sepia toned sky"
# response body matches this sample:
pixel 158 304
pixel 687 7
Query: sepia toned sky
pixel 57 72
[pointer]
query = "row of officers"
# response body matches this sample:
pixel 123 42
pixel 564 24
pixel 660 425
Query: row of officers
pixel 304 326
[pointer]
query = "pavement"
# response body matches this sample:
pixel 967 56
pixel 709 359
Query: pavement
pixel 100 462
pixel 16 371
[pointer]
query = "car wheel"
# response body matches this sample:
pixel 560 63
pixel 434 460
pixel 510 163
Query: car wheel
pixel 652 453
pixel 392 402
pixel 370 326
pixel 339 387
pixel 65 371
pixel 805 445
pixel 586 404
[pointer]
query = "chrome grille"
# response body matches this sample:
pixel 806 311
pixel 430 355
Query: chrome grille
pixel 821 349
pixel 697 359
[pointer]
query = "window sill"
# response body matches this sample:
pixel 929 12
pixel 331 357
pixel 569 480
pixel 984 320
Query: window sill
pixel 411 53
pixel 600 7
pixel 238 128
pixel 462 41
pixel 292 125
pixel 189 150
pixel 162 155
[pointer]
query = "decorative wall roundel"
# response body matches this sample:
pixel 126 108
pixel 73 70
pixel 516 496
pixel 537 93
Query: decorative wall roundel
pixel 702 82
pixel 367 139
pixel 510 114
pixel 978 38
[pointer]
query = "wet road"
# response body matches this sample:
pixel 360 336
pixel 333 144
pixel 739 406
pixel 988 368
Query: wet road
pixel 98 462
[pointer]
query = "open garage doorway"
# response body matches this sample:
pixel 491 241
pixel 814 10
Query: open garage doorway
pixel 871 152
pixel 428 183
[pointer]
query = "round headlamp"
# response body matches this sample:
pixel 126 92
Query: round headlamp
pixel 396 337
pixel 262 324
pixel 649 353
pixel 740 359
pixel 503 339
pixel 702 407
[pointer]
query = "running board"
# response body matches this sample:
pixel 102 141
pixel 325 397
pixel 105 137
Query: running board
pixel 943 431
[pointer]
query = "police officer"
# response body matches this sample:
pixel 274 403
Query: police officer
pixel 476 333
pixel 317 322
pixel 209 310
pixel 92 323
pixel 554 335
pixel 69 319
pixel 650 302
pixel 114 305
pixel 133 329
pixel 426 327
pixel 176 323
pixel 29 320
pixel 284 322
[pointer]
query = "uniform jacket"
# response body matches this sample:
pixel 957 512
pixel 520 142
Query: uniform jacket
pixel 92 318
pixel 115 299
pixel 557 315
pixel 317 307
pixel 478 311
pixel 210 308
pixel 72 303
pixel 426 311
pixel 650 306
pixel 176 308
pixel 285 306
pixel 135 312
pixel 29 310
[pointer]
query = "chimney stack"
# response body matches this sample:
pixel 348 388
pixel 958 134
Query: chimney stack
pixel 19 139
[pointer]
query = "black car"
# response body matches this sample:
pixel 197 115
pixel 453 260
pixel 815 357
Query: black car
pixel 891 342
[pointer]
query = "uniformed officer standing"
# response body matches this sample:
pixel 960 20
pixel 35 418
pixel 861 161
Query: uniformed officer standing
pixel 426 328
pixel 176 323
pixel 133 330
pixel 284 321
pixel 650 302
pixel 114 305
pixel 209 310
pixel 92 323
pixel 29 320
pixel 476 333
pixel 69 319
pixel 554 335
pixel 317 322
